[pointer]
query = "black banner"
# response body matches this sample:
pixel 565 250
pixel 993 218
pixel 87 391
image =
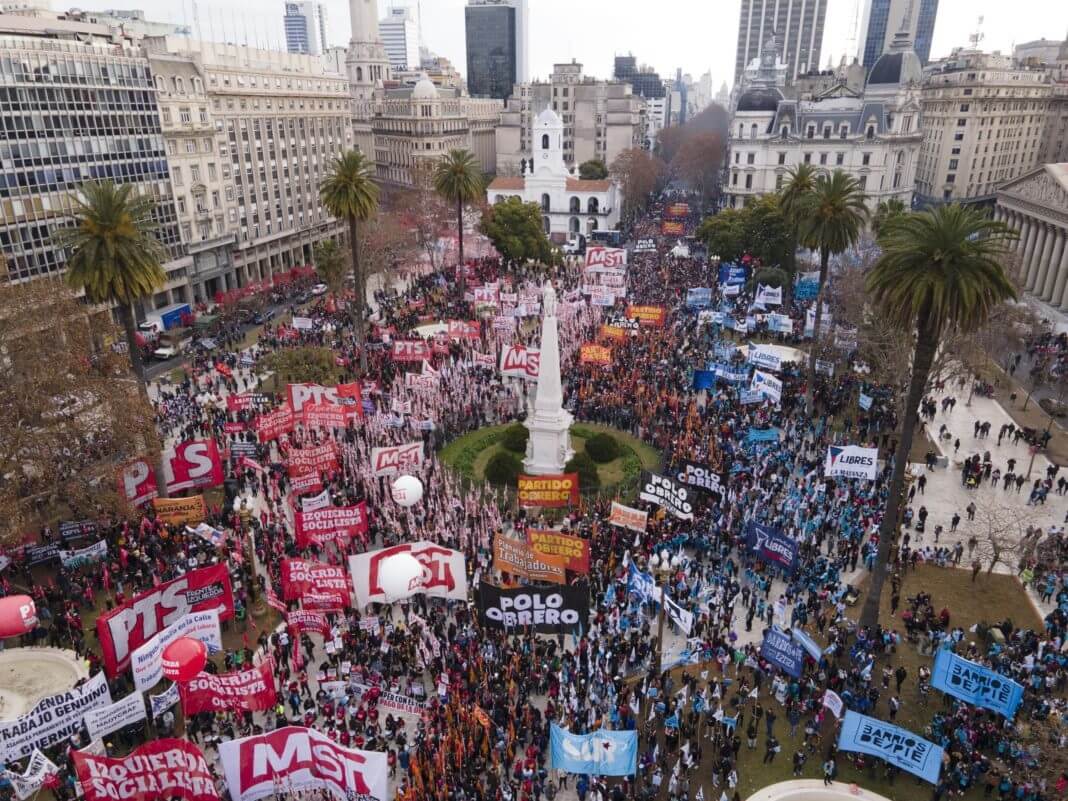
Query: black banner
pixel 667 492
pixel 38 554
pixel 74 530
pixel 702 477
pixel 549 610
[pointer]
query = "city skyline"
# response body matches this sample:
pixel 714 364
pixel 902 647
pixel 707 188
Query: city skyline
pixel 705 41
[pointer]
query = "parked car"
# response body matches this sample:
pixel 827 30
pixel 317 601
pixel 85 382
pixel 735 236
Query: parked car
pixel 319 289
pixel 261 317
pixel 165 353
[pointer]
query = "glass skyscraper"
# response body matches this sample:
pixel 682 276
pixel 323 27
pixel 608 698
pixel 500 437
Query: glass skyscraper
pixel 882 19
pixel 491 50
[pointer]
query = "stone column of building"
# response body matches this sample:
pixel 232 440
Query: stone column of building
pixel 1027 236
pixel 1043 259
pixel 1049 279
pixel 1034 248
pixel 1060 289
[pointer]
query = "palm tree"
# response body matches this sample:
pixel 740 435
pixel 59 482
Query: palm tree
pixel 350 193
pixel 795 193
pixel 114 254
pixel 458 179
pixel 939 270
pixel 887 209
pixel 831 219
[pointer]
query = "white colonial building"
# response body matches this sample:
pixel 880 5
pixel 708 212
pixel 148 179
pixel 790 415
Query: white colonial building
pixel 873 135
pixel 569 205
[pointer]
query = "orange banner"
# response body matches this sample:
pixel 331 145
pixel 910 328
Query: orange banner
pixel 595 354
pixel 613 332
pixel 551 543
pixel 519 559
pixel 628 517
pixel 559 490
pixel 175 511
pixel 648 316
pixel 672 228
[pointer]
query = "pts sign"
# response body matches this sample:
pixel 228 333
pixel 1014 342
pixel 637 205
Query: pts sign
pixel 192 464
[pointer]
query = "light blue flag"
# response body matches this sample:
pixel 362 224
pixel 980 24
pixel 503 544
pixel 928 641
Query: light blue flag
pixel 976 684
pixel 602 753
pixel 895 745
pixel 811 647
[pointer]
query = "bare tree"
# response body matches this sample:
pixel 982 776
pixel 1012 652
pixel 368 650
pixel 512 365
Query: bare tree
pixel 1001 531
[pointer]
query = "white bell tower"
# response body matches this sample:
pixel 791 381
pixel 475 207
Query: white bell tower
pixel 548 144
pixel 366 61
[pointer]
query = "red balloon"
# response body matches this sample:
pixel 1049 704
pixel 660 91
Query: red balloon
pixel 184 658
pixel 18 614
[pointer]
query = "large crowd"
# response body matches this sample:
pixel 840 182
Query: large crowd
pixel 488 698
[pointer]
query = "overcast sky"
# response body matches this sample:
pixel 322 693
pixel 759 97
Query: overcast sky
pixel 696 35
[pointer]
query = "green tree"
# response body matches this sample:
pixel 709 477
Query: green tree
pixel 766 232
pixel 330 265
pixel 458 179
pixel 939 271
pixel 794 196
pixel 724 234
pixel 593 170
pixel 515 229
pixel 769 276
pixel 831 221
pixel 886 209
pixel 114 256
pixel 350 193
pixel 303 365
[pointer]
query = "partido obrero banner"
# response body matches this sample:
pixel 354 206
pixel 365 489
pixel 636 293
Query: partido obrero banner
pixel 52 719
pixel 601 753
pixel 555 610
pixel 444 572
pixel 550 491
pixel 167 768
pixel 298 759
pixel 556 544
pixel 628 517
pixel 976 684
pixel 895 745
pixel 251 690
pixel 127 628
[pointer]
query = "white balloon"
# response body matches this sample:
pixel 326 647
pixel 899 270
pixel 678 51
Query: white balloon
pixel 407 490
pixel 399 575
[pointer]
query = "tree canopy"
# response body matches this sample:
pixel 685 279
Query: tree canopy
pixel 593 170
pixel 515 229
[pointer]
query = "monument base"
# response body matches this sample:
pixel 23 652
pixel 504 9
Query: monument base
pixel 549 447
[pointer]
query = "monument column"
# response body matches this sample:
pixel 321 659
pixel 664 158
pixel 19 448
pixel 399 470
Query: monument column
pixel 549 447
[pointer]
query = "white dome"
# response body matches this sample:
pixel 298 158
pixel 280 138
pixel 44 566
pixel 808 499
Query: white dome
pixel 548 119
pixel 424 89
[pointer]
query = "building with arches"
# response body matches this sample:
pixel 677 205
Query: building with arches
pixel 569 205
pixel 873 135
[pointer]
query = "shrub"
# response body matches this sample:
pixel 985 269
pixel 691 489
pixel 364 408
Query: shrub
pixel 515 438
pixel 582 464
pixel 602 448
pixel 504 469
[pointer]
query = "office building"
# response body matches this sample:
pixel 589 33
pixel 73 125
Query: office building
pixel 645 81
pixel 798 26
pixel 600 118
pixel 873 135
pixel 367 64
pixel 305 25
pixel 1040 52
pixel 400 36
pixel 250 135
pixel 493 28
pixel 880 20
pixel 569 205
pixel 78 104
pixel 984 120
pixel 1055 136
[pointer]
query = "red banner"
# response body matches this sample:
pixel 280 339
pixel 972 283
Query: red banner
pixel 234 428
pixel 410 350
pixel 554 544
pixel 328 415
pixel 251 690
pixel 306 483
pixel 300 395
pixel 558 490
pixel 327 525
pixel 312 460
pixel 239 403
pixel 677 210
pixel 167 768
pixel 647 316
pixel 595 354
pixel 131 625
pixel 193 464
pixel 463 329
pixel 274 424
pixel 137 482
pixel 301 578
pixel 298 621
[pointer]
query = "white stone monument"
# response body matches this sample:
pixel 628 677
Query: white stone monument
pixel 549 446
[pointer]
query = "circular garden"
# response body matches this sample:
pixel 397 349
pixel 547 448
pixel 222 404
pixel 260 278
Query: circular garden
pixel 605 458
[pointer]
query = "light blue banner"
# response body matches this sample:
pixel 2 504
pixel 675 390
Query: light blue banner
pixel 747 396
pixel 976 684
pixel 603 753
pixel 864 401
pixel 762 435
pixel 895 745
pixel 643 585
pixel 737 375
pixel 811 647
pixel 699 297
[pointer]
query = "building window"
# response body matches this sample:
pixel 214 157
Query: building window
pixel 184 115
pixel 782 158
pixel 545 141
pixel 866 159
pixel 545 202
pixel 811 133
pixel 964 107
pixel 871 132
pixel 953 164
pixel 863 182
pixel 839 159
pixel 784 131
pixel 778 182
pixel 176 175
pixel 750 158
pixel 808 158
pixel 753 131
pixel 749 182
pixel 961 122
pixel 823 159
pixel 843 132
pixel 951 178
pixel 958 137
pixel 575 206
pixel 593 206
pixel 826 131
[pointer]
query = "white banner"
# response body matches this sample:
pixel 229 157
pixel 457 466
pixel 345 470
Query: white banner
pixel 83 556
pixel 316 502
pixel 769 296
pixel 444 572
pixel 147 661
pixel 851 461
pixel 518 361
pixel 103 721
pixel 833 702
pixel 302 323
pixel 765 356
pixel 165 700
pixel 28 783
pixel 767 385
pixel 54 718
pixel 396 459
pixel 293 759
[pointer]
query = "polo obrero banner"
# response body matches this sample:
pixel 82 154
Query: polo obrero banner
pixel 851 461
pixel 555 610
